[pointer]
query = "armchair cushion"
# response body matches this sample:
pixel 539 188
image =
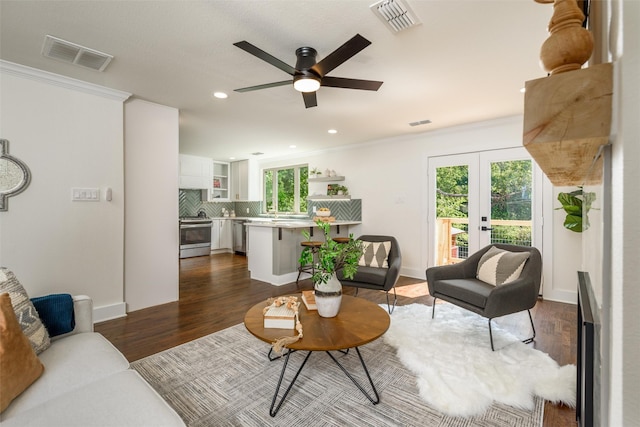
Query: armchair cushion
pixel 375 254
pixel 471 291
pixel 371 275
pixel 498 266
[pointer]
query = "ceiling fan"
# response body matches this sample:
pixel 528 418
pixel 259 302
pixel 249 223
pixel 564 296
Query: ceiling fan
pixel 309 75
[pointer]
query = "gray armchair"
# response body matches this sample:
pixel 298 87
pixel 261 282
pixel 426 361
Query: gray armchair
pixel 457 284
pixel 383 279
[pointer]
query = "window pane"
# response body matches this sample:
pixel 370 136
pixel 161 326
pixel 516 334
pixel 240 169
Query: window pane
pixel 511 202
pixel 304 188
pixel 286 190
pixel 452 201
pixel 268 190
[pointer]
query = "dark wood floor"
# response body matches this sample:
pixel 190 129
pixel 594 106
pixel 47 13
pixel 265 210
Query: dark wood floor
pixel 216 291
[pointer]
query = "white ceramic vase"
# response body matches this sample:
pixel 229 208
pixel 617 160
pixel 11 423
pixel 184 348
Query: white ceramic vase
pixel 328 297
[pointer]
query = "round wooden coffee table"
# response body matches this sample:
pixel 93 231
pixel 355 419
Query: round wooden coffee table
pixel 359 322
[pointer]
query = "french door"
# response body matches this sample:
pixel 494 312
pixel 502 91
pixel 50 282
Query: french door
pixel 477 199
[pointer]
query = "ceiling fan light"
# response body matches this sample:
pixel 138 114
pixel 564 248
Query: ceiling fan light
pixel 306 84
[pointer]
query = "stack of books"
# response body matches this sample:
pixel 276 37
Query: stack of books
pixel 309 300
pixel 280 317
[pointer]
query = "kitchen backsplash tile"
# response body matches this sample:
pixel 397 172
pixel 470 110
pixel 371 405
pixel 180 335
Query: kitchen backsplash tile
pixel 190 203
pixel 343 210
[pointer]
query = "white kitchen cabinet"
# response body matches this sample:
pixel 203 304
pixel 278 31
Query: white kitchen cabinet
pixel 195 172
pixel 221 234
pixel 226 234
pixel 245 181
pixel 219 185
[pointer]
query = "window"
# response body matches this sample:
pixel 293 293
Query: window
pixel 286 189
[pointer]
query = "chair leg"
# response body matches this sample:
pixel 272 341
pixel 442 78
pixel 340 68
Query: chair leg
pixel 433 307
pixel 533 328
pixel 395 298
pixel 525 341
pixel 491 336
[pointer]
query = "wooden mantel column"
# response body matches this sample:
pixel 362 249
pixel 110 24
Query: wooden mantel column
pixel 567 117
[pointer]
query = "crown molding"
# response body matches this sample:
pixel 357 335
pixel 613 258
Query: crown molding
pixel 23 71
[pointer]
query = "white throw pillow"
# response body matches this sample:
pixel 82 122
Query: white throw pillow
pixel 375 254
pixel 499 267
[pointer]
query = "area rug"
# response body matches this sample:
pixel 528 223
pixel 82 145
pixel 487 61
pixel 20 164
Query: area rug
pixel 458 374
pixel 225 379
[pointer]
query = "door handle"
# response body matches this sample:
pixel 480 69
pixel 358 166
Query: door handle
pixel 484 228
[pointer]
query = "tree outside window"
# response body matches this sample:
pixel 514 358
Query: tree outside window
pixel 286 189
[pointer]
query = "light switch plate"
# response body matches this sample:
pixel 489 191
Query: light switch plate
pixel 85 194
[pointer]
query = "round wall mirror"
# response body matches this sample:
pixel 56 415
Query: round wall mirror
pixel 14 175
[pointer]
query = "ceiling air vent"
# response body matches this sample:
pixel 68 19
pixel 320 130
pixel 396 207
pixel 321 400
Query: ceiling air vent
pixel 63 50
pixel 395 14
pixel 420 122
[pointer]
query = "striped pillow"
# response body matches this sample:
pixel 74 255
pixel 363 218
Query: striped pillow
pixel 375 254
pixel 25 311
pixel 499 267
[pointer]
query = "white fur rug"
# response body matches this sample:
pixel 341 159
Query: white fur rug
pixel 458 374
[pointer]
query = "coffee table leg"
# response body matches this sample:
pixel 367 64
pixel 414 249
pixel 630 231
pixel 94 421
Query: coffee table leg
pixel 273 411
pixel 364 366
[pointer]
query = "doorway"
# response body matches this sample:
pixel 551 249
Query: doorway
pixel 481 198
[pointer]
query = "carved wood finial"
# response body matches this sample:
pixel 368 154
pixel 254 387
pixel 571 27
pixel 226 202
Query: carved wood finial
pixel 569 45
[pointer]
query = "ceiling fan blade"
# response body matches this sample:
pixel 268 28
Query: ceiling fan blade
pixel 310 99
pixel 264 86
pixel 340 55
pixel 255 51
pixel 350 83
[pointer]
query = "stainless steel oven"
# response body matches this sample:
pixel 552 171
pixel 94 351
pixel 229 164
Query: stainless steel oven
pixel 195 237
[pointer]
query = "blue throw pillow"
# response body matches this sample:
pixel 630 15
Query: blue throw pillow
pixel 56 312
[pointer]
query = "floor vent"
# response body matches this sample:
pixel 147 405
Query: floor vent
pixel 395 14
pixel 65 51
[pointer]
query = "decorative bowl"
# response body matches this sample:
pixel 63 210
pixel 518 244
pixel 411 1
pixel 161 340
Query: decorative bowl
pixel 323 213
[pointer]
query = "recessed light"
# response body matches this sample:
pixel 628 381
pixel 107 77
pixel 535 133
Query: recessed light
pixel 332 131
pixel 523 90
pixel 220 95
pixel 292 146
pixel 232 158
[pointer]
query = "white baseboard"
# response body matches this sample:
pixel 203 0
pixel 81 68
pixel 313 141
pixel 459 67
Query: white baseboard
pixel 108 312
pixel 567 297
pixel 412 272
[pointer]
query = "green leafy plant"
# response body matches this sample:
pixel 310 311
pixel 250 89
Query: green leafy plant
pixel 333 189
pixel 577 205
pixel 332 256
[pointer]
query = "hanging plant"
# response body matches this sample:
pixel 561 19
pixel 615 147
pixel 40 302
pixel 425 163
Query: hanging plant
pixel 577 205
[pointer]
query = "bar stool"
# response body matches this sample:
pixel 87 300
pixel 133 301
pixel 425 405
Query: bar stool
pixel 310 268
pixel 341 239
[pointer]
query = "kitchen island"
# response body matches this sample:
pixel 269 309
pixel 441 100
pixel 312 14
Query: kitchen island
pixel 273 246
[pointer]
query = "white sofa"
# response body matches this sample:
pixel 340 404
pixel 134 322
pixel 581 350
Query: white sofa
pixel 87 382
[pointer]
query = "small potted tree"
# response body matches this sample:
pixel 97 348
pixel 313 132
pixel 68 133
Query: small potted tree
pixel 329 258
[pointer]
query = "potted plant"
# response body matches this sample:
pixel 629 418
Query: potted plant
pixel 328 258
pixel 577 205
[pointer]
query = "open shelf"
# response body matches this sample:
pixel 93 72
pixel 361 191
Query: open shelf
pixel 324 197
pixel 327 179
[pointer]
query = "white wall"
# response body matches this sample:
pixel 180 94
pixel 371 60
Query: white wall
pixel 70 134
pixel 390 177
pixel 151 204
pixel 566 255
pixel 623 324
